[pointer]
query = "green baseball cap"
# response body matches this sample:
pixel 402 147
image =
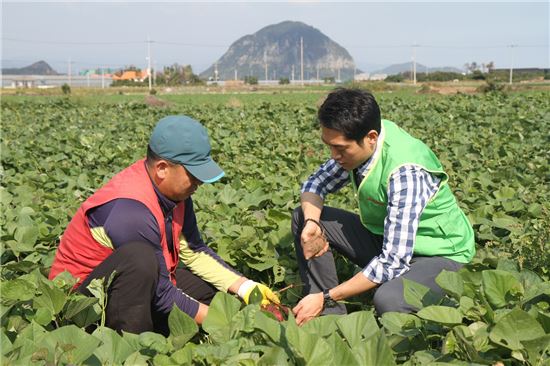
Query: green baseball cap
pixel 184 141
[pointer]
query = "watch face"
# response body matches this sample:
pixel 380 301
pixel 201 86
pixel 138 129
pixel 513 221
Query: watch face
pixel 329 302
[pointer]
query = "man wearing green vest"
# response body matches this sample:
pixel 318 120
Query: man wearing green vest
pixel 409 223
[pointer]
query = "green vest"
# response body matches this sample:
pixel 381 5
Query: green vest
pixel 443 229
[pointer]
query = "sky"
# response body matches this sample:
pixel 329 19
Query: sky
pixel 114 34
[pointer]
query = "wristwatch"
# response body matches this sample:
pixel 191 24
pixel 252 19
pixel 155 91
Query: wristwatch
pixel 328 301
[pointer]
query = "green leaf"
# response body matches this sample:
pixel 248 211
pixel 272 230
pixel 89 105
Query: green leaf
pixel 268 325
pixel 424 357
pixel 185 355
pixel 88 316
pixel 538 349
pixel 6 343
pixel 341 351
pixel 500 287
pixel 64 280
pixel 374 351
pixel 84 343
pixel 162 360
pixel 52 298
pixel 132 339
pixel 228 195
pixel 78 304
pixel 451 283
pixel 322 326
pixel 221 311
pixel 504 221
pixel 245 320
pixel 406 325
pixel 154 341
pixel 310 348
pixel 538 292
pixel 18 289
pixel 26 237
pixel 356 326
pixel 182 327
pixel 441 314
pixel 515 327
pixel 43 316
pixel 97 289
pixel 418 295
pixel 255 297
pixel 136 359
pixel 113 349
pixel 274 356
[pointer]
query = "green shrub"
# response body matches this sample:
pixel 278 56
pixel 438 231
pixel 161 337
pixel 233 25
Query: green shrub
pixel 251 80
pixel 66 89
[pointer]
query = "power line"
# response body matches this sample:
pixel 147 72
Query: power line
pixel 64 61
pixel 190 44
pixel 72 43
pixel 185 44
pixel 84 43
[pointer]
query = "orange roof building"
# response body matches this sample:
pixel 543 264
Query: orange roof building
pixel 132 75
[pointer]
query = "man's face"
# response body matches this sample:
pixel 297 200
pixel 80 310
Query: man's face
pixel 348 153
pixel 178 184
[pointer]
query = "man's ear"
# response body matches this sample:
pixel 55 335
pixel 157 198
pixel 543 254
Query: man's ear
pixel 160 169
pixel 371 137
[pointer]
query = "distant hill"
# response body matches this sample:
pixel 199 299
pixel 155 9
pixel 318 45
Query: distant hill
pixel 407 66
pixel 38 68
pixel 278 45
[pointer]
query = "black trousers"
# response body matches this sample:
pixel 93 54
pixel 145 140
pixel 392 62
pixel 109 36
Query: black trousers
pixel 130 305
pixel 347 235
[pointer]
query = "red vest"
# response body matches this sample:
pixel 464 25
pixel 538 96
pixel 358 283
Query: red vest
pixel 79 253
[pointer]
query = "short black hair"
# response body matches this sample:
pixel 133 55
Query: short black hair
pixel 353 112
pixel 152 157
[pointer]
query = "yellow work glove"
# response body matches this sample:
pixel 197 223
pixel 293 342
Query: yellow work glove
pixel 267 295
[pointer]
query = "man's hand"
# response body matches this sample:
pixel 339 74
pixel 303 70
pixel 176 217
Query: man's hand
pixel 314 242
pixel 267 295
pixel 308 308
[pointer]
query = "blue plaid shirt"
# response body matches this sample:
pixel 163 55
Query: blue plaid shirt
pixel 409 190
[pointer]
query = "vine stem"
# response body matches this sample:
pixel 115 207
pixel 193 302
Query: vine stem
pixel 292 285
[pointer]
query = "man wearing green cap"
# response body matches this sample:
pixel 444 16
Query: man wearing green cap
pixel 141 224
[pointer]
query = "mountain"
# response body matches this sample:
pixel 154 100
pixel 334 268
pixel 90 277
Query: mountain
pixel 278 46
pixel 38 68
pixel 407 66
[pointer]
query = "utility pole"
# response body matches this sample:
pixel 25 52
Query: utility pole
pixel 103 78
pixel 338 74
pixel 149 62
pixel 302 60
pixel 317 72
pixel 216 72
pixel 292 74
pixel 236 74
pixel 511 62
pixel 265 65
pixel 69 71
pixel 414 63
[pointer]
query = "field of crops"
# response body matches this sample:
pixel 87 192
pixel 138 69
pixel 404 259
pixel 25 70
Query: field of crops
pixel 56 151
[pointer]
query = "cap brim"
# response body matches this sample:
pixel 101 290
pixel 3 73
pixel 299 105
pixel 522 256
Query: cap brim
pixel 206 173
